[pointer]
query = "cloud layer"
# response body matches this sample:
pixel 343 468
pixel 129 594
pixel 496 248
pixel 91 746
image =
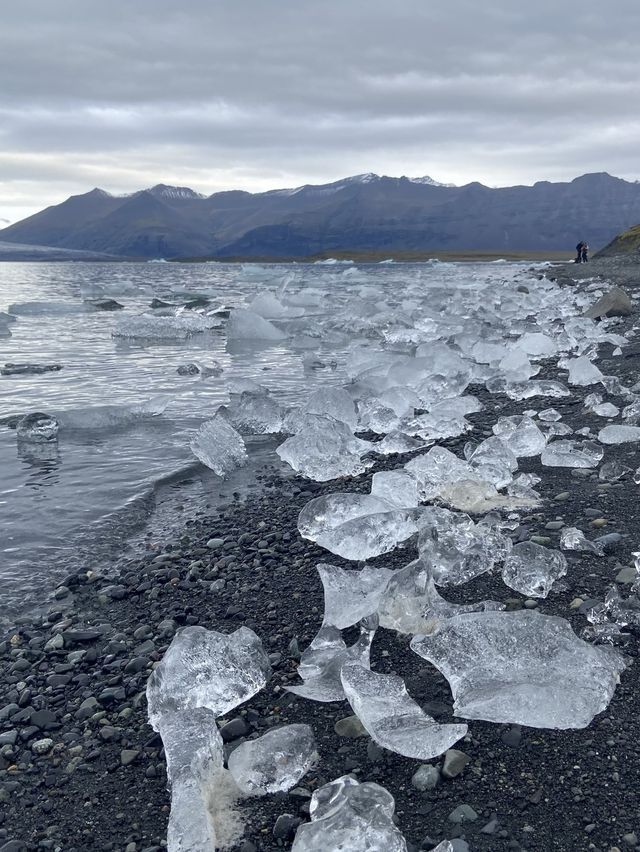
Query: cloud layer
pixel 260 93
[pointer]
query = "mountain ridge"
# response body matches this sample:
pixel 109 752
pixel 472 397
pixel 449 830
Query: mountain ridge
pixel 366 212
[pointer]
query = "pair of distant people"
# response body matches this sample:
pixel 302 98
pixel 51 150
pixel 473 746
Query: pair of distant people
pixel 582 250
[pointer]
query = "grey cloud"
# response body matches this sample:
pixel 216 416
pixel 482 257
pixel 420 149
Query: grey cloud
pixel 264 92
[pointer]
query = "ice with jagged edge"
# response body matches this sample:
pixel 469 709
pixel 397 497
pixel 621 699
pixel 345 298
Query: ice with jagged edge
pixel 150 327
pixel 255 414
pixel 321 663
pixel 571 538
pixel 457 548
pixel 274 762
pixel 249 327
pixel 219 446
pixel 347 816
pixel 582 371
pixel 411 604
pixel 398 442
pixel 325 449
pixel 97 417
pixel 350 596
pixel 576 454
pixel 438 468
pixel 532 569
pixel 396 487
pixel 493 461
pixel 333 403
pixel 521 435
pixel 204 668
pixel 527 390
pixel 392 718
pixel 332 510
pixel 521 668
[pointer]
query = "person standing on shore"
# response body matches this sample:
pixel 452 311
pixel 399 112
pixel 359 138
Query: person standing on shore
pixel 579 248
pixel 584 255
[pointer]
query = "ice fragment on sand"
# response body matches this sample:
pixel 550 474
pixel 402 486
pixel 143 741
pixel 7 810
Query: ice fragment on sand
pixel 324 449
pixel 350 596
pixel 275 762
pixel 347 816
pixel 521 435
pixel 572 538
pixel 365 537
pixel 398 442
pixel 572 454
pixel 411 603
pixel 493 461
pixel 583 372
pixel 521 668
pixel 619 434
pixel 478 497
pixel 531 569
pixel 219 446
pixel 255 414
pixel 335 403
pixel 613 471
pixel 37 428
pixel 549 415
pixel 397 487
pixel 437 468
pixel 332 510
pixel 249 326
pixel 392 718
pixel 204 668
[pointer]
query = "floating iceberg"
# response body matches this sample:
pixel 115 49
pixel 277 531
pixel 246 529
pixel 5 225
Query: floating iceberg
pixel 151 327
pixel 248 326
pixel 98 417
pixel 521 668
pixel 392 718
pixel 275 762
pixel 350 596
pixel 37 428
pixel 532 569
pixel 255 414
pixel 204 668
pixel 219 446
pixel 347 816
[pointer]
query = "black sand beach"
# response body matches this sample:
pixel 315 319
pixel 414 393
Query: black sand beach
pixel 80 769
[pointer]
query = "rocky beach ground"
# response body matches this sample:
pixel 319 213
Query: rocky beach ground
pixel 80 769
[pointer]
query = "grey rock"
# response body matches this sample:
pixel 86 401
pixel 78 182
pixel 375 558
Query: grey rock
pixel 14 846
pixel 285 826
pixel 234 729
pixel 626 575
pixel 128 755
pixel 615 303
pixel 454 762
pixel 426 777
pixel 350 726
pixel 88 707
pixel 42 746
pixel 215 543
pixel 463 813
pixel 44 719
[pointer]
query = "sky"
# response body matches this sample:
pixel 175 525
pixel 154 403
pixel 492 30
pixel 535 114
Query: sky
pixel 263 94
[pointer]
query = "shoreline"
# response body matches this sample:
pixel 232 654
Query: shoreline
pixel 101 784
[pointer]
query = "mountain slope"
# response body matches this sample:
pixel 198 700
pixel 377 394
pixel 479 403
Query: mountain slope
pixel 626 243
pixel 363 212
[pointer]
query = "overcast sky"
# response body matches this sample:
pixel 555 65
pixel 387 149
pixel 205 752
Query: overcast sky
pixel 259 94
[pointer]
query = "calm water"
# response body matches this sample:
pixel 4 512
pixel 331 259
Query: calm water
pixel 76 503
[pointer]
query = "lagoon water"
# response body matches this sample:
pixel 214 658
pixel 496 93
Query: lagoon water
pixel 82 501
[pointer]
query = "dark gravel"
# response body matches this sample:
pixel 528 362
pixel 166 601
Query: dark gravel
pixel 81 770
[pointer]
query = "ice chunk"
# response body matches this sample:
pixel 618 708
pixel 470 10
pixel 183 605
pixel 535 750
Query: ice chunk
pixel 321 663
pixel 246 325
pixel 536 344
pixel 613 471
pixel 219 446
pixel 335 403
pixel 350 596
pixel 396 487
pixel 571 454
pixel 204 668
pixel 532 569
pixel 195 368
pixel 398 442
pixel 583 372
pixel 255 414
pixel 332 510
pixel 521 436
pixel 392 718
pixel 112 416
pixel 347 816
pixel 151 327
pixel 615 434
pixel 493 461
pixel 275 762
pixel 437 468
pixel 325 449
pixel 411 603
pixel 268 306
pixel 457 548
pixel 521 668
pixel 376 417
pixel 365 537
pixel 549 415
pixel 572 538
pixel 478 497
pixel 37 428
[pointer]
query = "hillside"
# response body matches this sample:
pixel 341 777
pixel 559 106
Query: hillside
pixel 361 213
pixel 626 243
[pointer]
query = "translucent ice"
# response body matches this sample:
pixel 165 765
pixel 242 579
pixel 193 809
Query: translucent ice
pixel 275 762
pixel 583 372
pixel 398 442
pixel 411 603
pixel 321 663
pixel 151 327
pixel 493 461
pixel 571 454
pixel 521 435
pixel 437 468
pixel 37 428
pixel 347 816
pixel 392 718
pixel 572 538
pixel 335 403
pixel 458 549
pixel 219 446
pixel 332 510
pixel 619 434
pixel 376 417
pixel 521 668
pixel 325 449
pixel 531 569
pixel 204 668
pixel 248 326
pixel 255 414
pixel 365 537
pixel 396 487
pixel 350 596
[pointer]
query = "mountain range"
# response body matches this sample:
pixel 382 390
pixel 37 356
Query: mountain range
pixel 361 213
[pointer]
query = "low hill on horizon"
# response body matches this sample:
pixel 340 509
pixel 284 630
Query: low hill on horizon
pixel 363 213
pixel 627 243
